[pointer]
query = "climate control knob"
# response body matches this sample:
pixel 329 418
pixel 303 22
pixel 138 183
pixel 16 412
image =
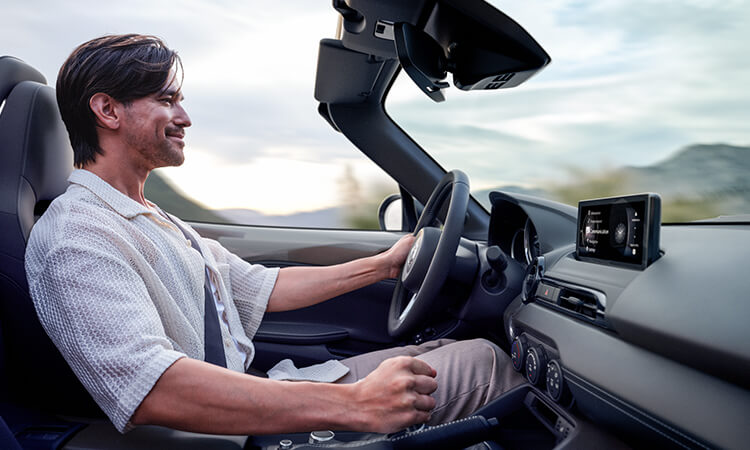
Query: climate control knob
pixel 536 364
pixel 518 353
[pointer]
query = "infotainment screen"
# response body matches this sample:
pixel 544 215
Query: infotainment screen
pixel 620 230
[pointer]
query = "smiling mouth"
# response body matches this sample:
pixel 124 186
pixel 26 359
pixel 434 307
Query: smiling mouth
pixel 176 135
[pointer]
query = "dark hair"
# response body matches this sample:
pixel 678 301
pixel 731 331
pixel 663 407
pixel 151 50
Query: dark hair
pixel 126 67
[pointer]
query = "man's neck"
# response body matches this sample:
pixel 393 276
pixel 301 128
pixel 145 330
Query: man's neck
pixel 121 175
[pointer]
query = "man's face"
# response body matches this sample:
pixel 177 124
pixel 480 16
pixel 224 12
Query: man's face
pixel 154 127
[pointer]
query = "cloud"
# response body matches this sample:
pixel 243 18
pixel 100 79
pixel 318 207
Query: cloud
pixel 630 82
pixel 223 40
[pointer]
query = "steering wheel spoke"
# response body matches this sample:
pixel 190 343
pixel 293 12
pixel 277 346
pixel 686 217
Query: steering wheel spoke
pixel 408 308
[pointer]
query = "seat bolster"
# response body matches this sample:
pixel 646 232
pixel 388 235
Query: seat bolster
pixel 39 167
pixel 35 161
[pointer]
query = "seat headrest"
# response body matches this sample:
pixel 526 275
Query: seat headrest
pixel 36 157
pixel 13 71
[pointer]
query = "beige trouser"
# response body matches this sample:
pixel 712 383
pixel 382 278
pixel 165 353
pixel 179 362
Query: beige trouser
pixel 470 374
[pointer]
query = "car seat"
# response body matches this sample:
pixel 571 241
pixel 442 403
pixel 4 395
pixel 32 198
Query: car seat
pixel 35 161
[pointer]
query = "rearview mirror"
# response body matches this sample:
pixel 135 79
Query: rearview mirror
pixel 422 58
pixel 483 48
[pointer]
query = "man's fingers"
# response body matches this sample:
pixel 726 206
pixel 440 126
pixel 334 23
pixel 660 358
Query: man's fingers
pixel 424 403
pixel 422 417
pixel 400 388
pixel 425 384
pixel 420 367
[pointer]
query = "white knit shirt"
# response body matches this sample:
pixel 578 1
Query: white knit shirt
pixel 120 292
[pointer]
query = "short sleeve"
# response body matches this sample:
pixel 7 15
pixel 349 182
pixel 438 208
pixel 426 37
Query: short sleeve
pixel 98 312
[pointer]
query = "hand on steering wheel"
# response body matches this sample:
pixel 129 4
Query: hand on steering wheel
pixel 431 256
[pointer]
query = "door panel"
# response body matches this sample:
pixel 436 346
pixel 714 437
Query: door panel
pixel 345 326
pixel 270 245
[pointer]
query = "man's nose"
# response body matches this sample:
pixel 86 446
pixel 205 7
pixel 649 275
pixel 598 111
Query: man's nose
pixel 182 117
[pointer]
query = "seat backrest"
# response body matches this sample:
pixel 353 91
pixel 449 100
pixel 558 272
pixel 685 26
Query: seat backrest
pixel 35 161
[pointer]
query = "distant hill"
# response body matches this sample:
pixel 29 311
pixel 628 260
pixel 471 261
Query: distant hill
pixel 712 177
pixel 698 181
pixel 698 170
pixel 160 191
pixel 170 199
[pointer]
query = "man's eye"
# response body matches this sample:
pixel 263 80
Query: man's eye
pixel 167 101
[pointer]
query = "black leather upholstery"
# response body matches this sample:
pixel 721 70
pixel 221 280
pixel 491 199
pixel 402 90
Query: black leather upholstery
pixel 35 161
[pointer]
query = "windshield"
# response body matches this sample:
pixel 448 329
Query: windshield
pixel 639 97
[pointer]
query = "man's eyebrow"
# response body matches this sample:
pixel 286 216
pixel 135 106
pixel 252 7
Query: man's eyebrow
pixel 174 93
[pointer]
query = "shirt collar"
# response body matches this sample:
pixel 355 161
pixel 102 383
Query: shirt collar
pixel 119 202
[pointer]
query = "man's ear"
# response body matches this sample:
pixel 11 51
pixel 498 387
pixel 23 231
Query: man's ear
pixel 106 110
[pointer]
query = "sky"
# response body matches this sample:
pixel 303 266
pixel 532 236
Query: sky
pixel 630 83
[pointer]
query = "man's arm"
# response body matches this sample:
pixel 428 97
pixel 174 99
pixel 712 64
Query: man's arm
pixel 297 287
pixel 197 396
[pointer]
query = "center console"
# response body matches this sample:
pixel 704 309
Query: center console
pixel 522 418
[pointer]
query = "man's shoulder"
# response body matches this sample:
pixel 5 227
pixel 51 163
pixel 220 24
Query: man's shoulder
pixel 75 210
pixel 76 203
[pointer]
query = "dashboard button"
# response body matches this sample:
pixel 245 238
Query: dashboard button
pixel 547 292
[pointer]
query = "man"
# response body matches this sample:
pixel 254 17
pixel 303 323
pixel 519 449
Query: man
pixel 119 285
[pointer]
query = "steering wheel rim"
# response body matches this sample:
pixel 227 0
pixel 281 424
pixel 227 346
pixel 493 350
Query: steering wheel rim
pixel 403 316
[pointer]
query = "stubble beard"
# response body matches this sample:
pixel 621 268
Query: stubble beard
pixel 170 154
pixel 160 153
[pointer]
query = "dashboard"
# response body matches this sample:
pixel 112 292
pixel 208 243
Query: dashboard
pixel 655 350
pixel 516 235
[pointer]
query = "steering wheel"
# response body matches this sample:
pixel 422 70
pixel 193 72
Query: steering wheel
pixel 431 256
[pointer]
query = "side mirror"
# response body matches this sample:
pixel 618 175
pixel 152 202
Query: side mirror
pixel 390 213
pixel 399 212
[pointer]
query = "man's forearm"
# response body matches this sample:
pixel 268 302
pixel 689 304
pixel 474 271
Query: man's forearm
pixel 196 396
pixel 297 287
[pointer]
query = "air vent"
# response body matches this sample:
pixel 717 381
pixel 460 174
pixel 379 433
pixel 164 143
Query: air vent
pixel 579 301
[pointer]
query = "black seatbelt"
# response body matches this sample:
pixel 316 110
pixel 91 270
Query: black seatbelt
pixel 214 344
